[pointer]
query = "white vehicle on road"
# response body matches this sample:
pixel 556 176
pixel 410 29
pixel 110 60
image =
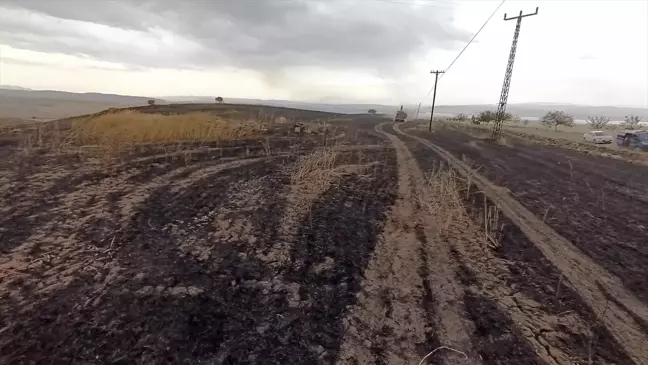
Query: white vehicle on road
pixel 597 137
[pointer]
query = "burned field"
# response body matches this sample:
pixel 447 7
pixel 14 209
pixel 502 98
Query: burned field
pixel 599 204
pixel 234 255
pixel 572 318
pixel 346 241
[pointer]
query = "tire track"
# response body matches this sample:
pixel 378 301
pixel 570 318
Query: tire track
pixel 411 303
pixel 587 278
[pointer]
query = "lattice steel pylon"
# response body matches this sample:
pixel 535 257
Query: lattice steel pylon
pixel 501 107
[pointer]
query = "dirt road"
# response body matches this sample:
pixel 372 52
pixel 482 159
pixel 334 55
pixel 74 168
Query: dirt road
pixel 411 298
pixel 486 307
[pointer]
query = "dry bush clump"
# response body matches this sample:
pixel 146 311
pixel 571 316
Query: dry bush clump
pixel 311 176
pixel 443 199
pixel 317 127
pixel 315 170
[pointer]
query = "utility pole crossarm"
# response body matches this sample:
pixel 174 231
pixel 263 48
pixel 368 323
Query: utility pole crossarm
pixel 521 16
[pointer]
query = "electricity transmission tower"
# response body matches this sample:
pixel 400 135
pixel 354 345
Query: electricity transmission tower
pixel 417 111
pixel 436 79
pixel 501 107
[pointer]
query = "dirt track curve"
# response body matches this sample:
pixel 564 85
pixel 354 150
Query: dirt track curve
pixel 622 314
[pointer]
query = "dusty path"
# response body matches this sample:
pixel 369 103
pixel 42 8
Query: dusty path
pixel 620 312
pixel 411 303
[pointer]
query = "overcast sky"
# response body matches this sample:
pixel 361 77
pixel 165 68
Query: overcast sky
pixel 583 52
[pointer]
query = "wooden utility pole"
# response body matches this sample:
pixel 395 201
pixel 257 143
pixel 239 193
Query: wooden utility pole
pixel 501 107
pixel 436 79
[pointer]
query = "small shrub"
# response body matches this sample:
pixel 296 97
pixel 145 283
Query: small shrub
pixel 316 170
pixel 443 199
pixel 486 117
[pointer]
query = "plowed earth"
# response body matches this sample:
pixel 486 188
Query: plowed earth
pixel 226 258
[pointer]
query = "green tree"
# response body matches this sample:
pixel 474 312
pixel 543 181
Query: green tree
pixel 219 100
pixel 486 116
pixel 372 111
pixel 151 102
pixel 557 118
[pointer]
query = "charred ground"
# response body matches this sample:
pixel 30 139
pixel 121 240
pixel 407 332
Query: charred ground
pixel 327 244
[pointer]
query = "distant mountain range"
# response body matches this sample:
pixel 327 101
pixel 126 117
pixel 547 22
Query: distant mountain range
pixel 19 102
pixel 68 96
pixel 26 104
pixel 10 87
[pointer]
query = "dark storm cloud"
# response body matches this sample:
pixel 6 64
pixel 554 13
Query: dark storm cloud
pixel 265 35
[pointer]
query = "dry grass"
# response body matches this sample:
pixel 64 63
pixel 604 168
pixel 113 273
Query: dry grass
pixel 111 133
pixel 130 127
pixel 443 199
pixel 316 169
pixel 311 176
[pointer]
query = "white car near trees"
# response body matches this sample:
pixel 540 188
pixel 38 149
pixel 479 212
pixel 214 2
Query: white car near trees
pixel 597 137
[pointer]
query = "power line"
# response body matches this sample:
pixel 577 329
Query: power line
pixel 430 4
pixel 469 42
pixel 475 36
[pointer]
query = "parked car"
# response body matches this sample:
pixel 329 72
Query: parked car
pixel 633 139
pixel 597 137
